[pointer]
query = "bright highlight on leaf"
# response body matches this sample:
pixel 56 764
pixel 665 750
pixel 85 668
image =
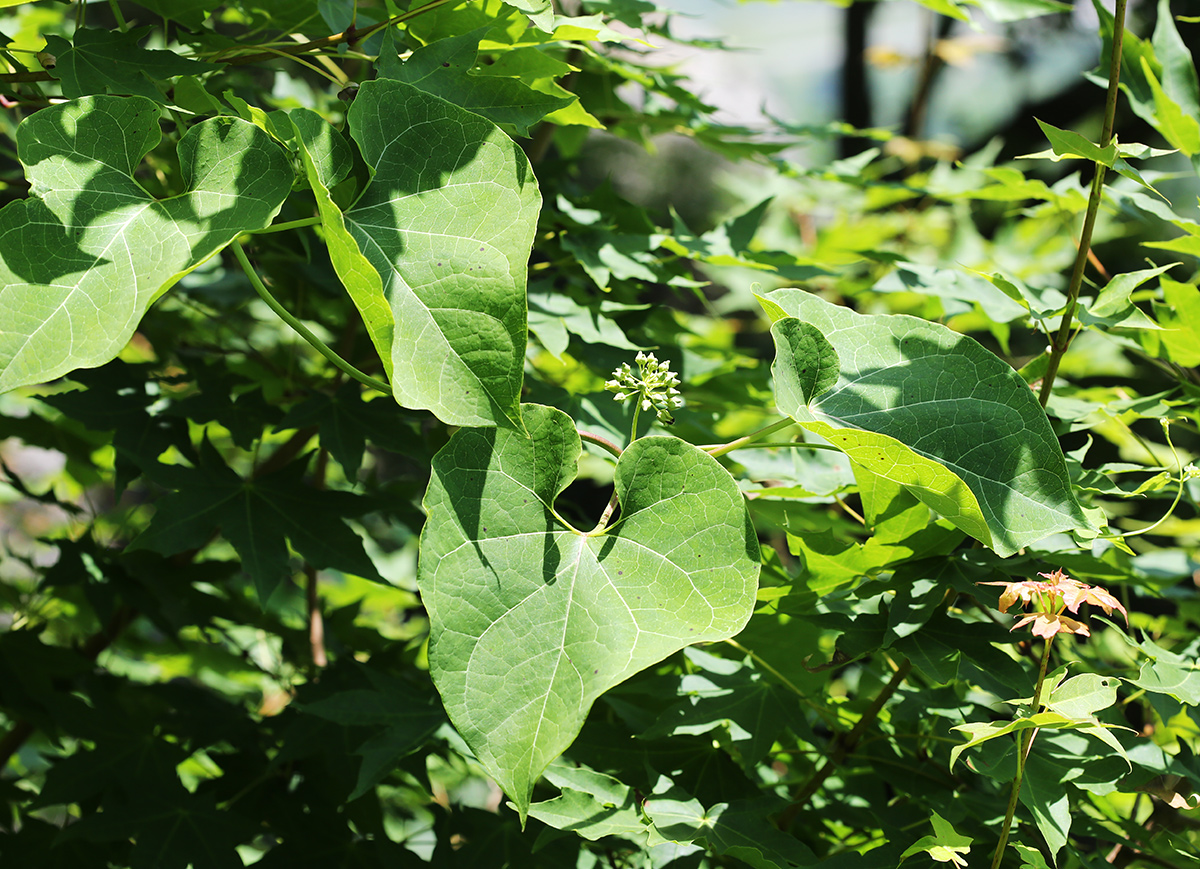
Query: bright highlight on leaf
pixel 84 257
pixel 531 620
pixel 434 251
pixel 936 412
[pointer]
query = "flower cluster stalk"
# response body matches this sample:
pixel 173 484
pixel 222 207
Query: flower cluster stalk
pixel 1024 746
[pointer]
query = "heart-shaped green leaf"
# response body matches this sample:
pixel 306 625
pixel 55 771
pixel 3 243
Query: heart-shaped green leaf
pixel 933 410
pixel 532 620
pixel 84 257
pixel 434 251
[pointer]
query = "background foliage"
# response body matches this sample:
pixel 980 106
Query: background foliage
pixel 214 650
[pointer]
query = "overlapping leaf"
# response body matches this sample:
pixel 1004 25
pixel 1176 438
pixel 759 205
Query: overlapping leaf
pixel 434 251
pixel 531 620
pixel 84 257
pixel 934 411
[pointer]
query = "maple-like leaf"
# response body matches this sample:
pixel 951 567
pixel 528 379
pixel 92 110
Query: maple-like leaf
pixel 259 517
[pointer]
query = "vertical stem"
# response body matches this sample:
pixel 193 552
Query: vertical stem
pixel 1024 745
pixel 316 621
pixel 122 24
pixel 1062 340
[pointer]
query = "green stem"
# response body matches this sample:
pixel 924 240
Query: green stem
pixel 122 25
pixel 753 436
pixel 1062 340
pixel 304 332
pixel 637 411
pixel 1024 745
pixel 291 224
pixel 600 442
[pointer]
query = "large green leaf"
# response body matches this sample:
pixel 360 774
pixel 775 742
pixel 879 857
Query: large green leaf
pixel 84 257
pixel 933 410
pixel 532 620
pixel 434 251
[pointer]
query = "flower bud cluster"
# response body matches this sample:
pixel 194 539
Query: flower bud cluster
pixel 653 386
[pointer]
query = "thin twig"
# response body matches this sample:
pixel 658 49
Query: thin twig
pixel 1062 340
pixel 843 746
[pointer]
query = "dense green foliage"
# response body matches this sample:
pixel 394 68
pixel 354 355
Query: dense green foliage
pixel 383 489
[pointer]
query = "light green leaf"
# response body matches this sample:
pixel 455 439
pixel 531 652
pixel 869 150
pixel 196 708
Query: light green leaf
pixel 946 846
pixel 1084 695
pixel 936 412
pixel 982 732
pixel 592 804
pixel 1179 128
pixel 1069 144
pixel 434 251
pixel 83 258
pixel 540 12
pixel 1031 857
pixel 532 620
pixel 1179 80
pixel 1112 306
pixel 1182 320
pixel 444 69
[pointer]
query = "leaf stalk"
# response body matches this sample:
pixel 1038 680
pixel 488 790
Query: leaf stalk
pixel 304 332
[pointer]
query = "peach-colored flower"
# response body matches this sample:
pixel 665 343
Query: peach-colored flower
pixel 1050 598
pixel 1048 624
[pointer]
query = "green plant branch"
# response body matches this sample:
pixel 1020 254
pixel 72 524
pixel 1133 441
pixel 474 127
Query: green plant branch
pixel 843 745
pixel 1062 340
pixel 304 332
pixel 605 443
pixel 1024 745
pixel 742 442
